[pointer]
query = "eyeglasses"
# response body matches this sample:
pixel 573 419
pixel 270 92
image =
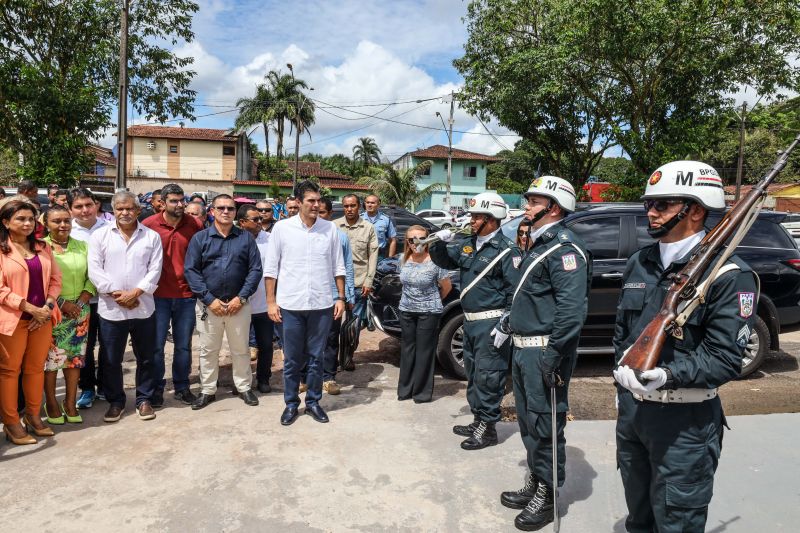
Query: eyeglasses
pixel 522 233
pixel 256 220
pixel 224 208
pixel 176 202
pixel 660 205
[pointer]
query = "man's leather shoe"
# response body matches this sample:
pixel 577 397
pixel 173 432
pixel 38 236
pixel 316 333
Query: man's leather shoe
pixel 263 387
pixel 203 400
pixel 185 396
pixel 249 397
pixel 317 413
pixel 113 414
pixel 145 411
pixel 289 415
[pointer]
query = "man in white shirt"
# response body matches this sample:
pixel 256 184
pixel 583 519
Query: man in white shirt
pixel 305 252
pixel 250 219
pixel 83 208
pixel 125 262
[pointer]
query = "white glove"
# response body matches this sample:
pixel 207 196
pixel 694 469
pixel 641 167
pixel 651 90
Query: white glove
pixel 500 338
pixel 625 377
pixel 445 235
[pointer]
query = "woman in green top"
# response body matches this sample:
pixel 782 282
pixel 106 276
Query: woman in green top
pixel 68 349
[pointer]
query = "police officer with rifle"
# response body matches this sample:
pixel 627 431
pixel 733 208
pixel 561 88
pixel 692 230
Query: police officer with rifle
pixel 487 262
pixel 548 311
pixel 685 315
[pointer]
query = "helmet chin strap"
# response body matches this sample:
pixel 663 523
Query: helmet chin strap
pixel 541 214
pixel 665 228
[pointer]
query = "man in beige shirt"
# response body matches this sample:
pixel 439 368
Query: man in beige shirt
pixel 364 245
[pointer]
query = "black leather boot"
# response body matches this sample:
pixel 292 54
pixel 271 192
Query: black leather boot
pixel 483 436
pixel 468 430
pixel 538 512
pixel 518 499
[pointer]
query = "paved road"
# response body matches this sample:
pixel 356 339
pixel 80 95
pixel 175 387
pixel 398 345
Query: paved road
pixel 379 465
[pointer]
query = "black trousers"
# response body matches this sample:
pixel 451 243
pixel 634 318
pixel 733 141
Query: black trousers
pixel 263 328
pixel 92 376
pixel 417 355
pixel 114 334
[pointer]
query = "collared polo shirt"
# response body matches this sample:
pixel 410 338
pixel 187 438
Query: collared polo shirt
pixel 304 260
pixel 364 246
pixel 175 242
pixel 222 267
pixel 384 227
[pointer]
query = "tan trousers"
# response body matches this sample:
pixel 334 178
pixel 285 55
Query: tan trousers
pixel 24 351
pixel 237 329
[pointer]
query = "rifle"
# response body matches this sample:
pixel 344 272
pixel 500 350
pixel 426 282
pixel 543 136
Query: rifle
pixel 686 292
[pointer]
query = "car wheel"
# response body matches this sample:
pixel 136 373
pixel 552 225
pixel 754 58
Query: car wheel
pixel 446 225
pixel 450 348
pixel 756 349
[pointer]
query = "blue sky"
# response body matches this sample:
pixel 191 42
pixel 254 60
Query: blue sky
pixel 352 53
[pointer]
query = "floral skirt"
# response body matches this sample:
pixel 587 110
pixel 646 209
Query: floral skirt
pixel 68 348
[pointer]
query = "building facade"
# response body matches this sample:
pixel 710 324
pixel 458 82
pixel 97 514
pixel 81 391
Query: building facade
pixel 339 184
pixel 468 177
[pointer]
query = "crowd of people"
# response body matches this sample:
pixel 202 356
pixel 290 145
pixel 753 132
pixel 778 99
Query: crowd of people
pixel 78 287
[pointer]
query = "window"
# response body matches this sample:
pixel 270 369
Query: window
pixel 424 214
pixel 763 234
pixel 228 150
pixel 601 235
pixel 470 172
pixel 173 149
pixel 427 171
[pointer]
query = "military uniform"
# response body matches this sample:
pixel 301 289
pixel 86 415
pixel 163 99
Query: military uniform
pixel 551 303
pixel 485 365
pixel 667 453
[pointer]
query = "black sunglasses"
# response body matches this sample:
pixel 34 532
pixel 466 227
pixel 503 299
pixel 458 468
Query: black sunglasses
pixel 523 233
pixel 256 220
pixel 660 205
pixel 224 208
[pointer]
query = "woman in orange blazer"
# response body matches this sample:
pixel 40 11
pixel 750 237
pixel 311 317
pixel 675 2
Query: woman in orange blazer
pixel 30 282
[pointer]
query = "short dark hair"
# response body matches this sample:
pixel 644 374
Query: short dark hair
pixel 54 209
pixel 220 197
pixel 328 204
pixel 243 210
pixel 79 192
pixel 170 188
pixel 25 186
pixel 195 195
pixel 351 195
pixel 62 192
pixel 303 187
pixel 3 192
pixel 53 187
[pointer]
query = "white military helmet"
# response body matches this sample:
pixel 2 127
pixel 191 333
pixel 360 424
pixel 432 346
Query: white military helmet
pixel 687 179
pixel 556 188
pixel 489 203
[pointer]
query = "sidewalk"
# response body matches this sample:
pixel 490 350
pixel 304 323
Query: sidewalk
pixel 379 465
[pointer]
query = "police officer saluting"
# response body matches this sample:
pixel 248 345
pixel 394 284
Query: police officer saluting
pixel 487 261
pixel 669 429
pixel 547 314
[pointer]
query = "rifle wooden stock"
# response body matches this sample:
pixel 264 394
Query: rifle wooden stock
pixel 645 353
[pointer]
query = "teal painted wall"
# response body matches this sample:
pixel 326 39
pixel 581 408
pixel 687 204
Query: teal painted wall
pixel 461 188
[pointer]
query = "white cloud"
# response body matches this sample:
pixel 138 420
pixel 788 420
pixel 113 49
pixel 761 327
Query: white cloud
pixel 486 144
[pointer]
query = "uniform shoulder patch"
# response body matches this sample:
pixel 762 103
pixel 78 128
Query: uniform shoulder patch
pixel 746 301
pixel 516 260
pixel 569 261
pixel 467 249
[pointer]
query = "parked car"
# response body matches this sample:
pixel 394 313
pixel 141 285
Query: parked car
pixel 402 220
pixel 792 225
pixel 438 217
pixel 613 233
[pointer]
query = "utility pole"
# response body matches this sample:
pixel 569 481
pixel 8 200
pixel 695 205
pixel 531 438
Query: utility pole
pixel 297 142
pixel 450 153
pixel 122 120
pixel 740 164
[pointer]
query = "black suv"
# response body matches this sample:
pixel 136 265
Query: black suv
pixel 613 233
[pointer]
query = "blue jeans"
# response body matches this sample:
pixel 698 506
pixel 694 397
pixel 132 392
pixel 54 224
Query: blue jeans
pixel 114 335
pixel 305 334
pixel 181 312
pixel 262 327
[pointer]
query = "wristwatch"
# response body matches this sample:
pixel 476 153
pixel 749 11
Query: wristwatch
pixel 339 298
pixel 51 305
pixel 242 300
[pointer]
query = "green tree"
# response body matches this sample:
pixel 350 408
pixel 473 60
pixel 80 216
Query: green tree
pixel 366 153
pixel 399 187
pixel 651 75
pixel 257 111
pixel 287 99
pixel 59 66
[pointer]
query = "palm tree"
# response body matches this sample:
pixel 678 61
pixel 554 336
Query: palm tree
pixel 400 187
pixel 366 152
pixel 257 110
pixel 286 95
